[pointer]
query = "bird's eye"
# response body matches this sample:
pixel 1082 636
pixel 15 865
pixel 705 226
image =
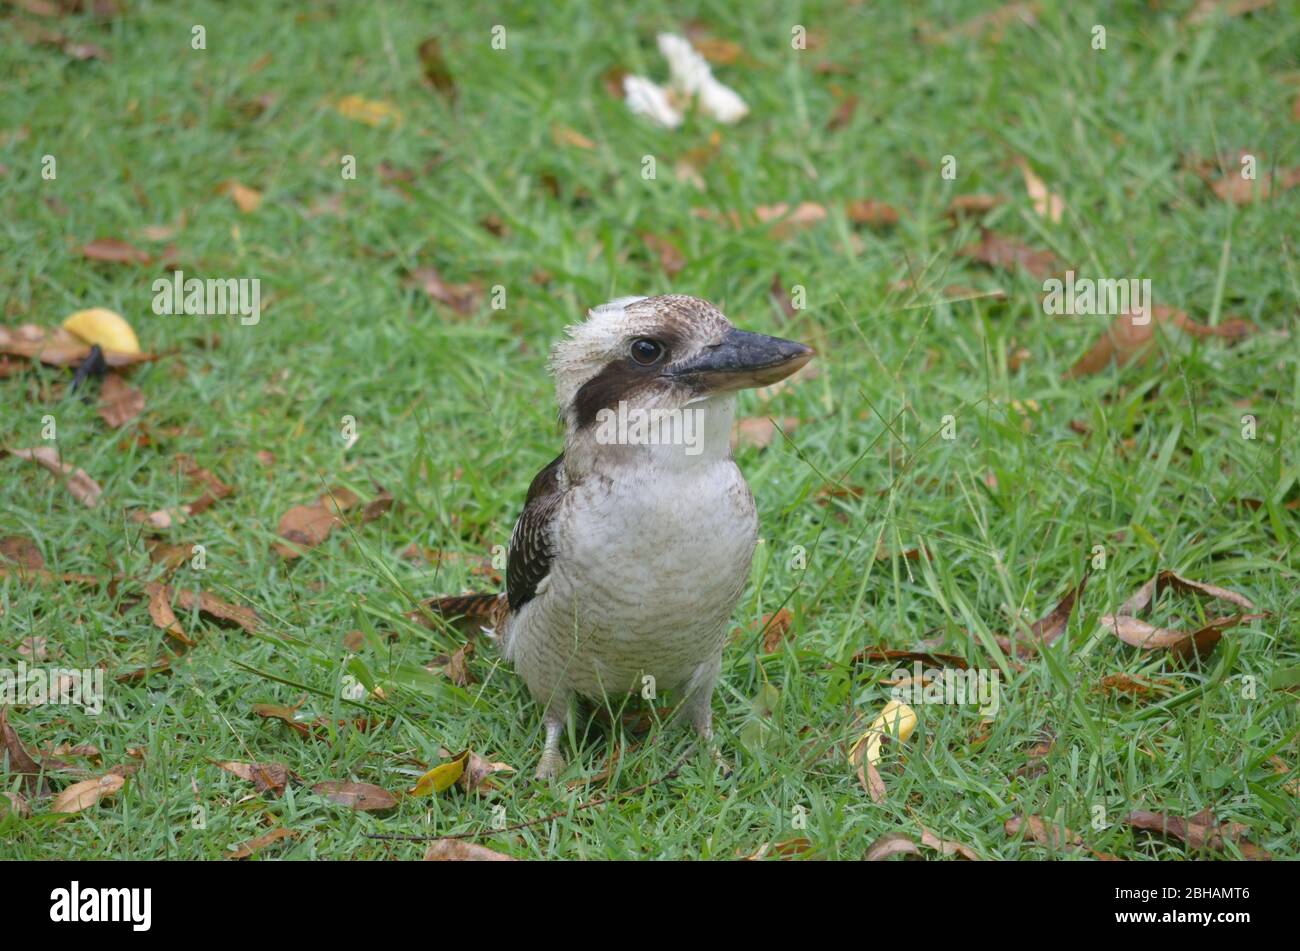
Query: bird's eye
pixel 646 351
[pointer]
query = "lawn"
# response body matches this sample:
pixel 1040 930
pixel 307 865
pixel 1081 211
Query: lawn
pixel 941 482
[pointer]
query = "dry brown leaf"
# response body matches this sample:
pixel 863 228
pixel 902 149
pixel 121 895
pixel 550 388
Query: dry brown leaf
pixel 22 551
pixel 991 23
pixel 464 299
pixel 787 221
pixel 759 432
pixel 304 526
pixel 843 114
pixel 1199 832
pixel 670 256
pixel 1046 204
pixel 1130 336
pixel 563 136
pixel 1053 836
pixel 891 844
pixel 17 805
pixel 363 797
pixel 458 850
pixel 114 251
pixel 81 486
pixel 377 507
pixel 256 844
pixel 457 666
pixel 287 715
pixel 85 794
pixel 776 626
pixel 1208 9
pixel 160 609
pixel 478 769
pixel 20 761
pixel 1007 254
pixel 246 199
pixel 946 846
pixel 872 213
pixel 888 655
pixel 962 206
pixel 272 777
pixel 119 401
pixel 434 66
pixel 58 347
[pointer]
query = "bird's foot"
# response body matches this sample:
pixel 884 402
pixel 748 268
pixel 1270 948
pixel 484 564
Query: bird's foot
pixel 550 765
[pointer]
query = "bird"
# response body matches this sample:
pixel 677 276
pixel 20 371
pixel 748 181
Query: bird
pixel 634 544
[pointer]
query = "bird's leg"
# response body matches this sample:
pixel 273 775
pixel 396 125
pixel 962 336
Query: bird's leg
pixel 552 762
pixel 698 709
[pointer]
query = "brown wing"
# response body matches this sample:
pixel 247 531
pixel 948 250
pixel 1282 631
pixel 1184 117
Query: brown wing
pixel 530 543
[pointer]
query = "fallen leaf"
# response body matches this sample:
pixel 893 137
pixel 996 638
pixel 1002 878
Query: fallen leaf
pixel 776 626
pixel 442 777
pixel 946 846
pixel 1130 336
pixel 305 526
pixel 81 486
pixel 1039 830
pixel 1207 9
pixel 991 23
pixel 759 432
pixel 17 805
pixel 457 666
pixel 267 777
pixel 888 655
pixel 458 850
pixel 287 715
pixel 435 69
pixel 1007 254
pixel 59 347
pixel 85 794
pixel 1046 204
pixel 962 206
pixel 464 299
pixel 119 402
pixel 256 844
pixel 478 769
pixel 787 221
pixel 20 761
pixel 364 797
pixel 160 609
pixel 1200 832
pixel 563 135
pixel 372 112
pixel 246 199
pixel 843 114
pixel 99 325
pixel 874 214
pixel 670 257
pixel 891 844
pixel 114 251
pixel 22 551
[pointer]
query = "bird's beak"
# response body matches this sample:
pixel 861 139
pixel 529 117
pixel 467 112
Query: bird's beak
pixel 742 360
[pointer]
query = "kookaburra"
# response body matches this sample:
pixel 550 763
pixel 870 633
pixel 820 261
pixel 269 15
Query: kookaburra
pixel 634 544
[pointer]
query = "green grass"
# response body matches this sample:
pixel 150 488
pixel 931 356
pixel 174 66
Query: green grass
pixel 455 414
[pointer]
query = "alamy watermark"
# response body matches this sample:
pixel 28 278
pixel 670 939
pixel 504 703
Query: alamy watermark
pixel 632 426
pixel 228 296
pixel 947 686
pixel 35 686
pixel 1103 297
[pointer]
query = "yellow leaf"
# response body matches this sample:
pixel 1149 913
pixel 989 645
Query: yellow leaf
pixel 442 777
pixel 896 719
pixel 369 111
pixel 104 327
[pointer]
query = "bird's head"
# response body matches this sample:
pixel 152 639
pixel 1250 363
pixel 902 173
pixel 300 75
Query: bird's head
pixel 665 354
